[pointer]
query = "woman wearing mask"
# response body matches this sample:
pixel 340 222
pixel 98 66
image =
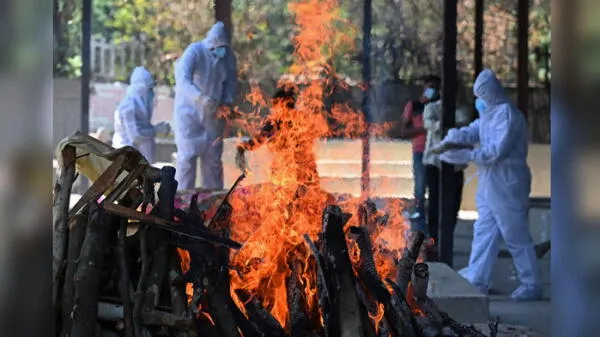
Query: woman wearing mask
pixel 432 120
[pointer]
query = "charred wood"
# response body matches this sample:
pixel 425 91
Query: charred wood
pixel 247 327
pixel 76 236
pixel 256 313
pixel 420 281
pixel 399 324
pixel 297 303
pixel 346 307
pixel 86 278
pixel 408 259
pixel 322 285
pixel 60 207
pixel 159 318
pixel 125 281
pixel 431 310
pixel 145 267
pixel 493 325
pixel 178 295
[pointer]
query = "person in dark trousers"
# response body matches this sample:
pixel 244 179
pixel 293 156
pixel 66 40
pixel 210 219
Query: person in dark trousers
pixel 412 128
pixel 432 121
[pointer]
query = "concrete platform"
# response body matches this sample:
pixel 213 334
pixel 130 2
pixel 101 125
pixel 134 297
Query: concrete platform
pixel 454 295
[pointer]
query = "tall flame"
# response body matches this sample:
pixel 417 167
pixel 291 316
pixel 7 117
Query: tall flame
pixel 272 218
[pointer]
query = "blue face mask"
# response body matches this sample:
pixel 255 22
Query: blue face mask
pixel 429 93
pixel 480 105
pixel 219 52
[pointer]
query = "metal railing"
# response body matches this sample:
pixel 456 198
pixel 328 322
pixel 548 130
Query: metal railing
pixel 112 60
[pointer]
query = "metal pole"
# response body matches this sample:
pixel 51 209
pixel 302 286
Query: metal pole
pixel 523 55
pixel 478 55
pixel 478 59
pixel 448 186
pixel 86 36
pixel 366 73
pixel 86 74
pixel 223 14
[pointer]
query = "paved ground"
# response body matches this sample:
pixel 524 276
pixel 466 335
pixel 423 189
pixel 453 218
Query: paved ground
pixel 535 315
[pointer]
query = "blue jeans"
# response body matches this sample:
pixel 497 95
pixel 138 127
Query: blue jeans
pixel 420 178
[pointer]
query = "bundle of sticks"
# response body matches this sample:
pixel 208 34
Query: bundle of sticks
pixel 119 272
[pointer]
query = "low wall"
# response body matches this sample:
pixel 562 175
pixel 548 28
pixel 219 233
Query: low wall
pixel 388 101
pixel 66 108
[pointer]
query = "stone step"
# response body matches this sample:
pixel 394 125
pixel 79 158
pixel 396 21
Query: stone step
pixel 456 296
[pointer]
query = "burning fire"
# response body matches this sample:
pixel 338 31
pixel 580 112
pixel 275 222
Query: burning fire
pixel 271 219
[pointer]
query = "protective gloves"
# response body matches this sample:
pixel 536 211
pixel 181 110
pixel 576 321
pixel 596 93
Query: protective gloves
pixel 453 136
pixel 162 129
pixel 457 156
pixel 206 107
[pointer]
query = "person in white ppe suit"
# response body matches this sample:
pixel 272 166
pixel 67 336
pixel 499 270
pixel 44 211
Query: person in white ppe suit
pixel 205 82
pixel 504 186
pixel 132 119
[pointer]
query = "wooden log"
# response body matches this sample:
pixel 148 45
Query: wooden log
pixel 408 259
pixel 400 303
pixel 76 236
pixel 139 294
pixel 86 278
pixel 266 323
pixel 298 321
pixel 132 199
pixel 160 318
pixel 420 281
pixel 431 310
pixel 218 290
pixel 346 308
pixel 164 209
pixel 156 278
pixel 397 320
pixel 178 294
pixel 60 208
pixel 170 226
pixel 125 279
pixel 324 299
pixel 247 327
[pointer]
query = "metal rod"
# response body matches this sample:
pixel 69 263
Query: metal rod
pixel 86 75
pixel 478 55
pixel 86 36
pixel 223 14
pixel 523 55
pixel 366 73
pixel 447 219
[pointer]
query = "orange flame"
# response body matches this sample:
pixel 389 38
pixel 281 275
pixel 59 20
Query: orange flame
pixel 184 255
pixel 377 317
pixel 271 219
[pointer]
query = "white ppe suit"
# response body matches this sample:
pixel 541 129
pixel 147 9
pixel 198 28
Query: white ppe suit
pixel 504 186
pixel 203 82
pixel 134 113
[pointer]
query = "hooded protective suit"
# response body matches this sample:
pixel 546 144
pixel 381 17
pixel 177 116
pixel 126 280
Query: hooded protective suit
pixel 504 187
pixel 134 113
pixel 204 80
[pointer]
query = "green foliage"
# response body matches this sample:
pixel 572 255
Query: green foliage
pixel 407 35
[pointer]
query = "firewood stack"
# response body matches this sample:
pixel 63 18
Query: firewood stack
pixel 119 272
